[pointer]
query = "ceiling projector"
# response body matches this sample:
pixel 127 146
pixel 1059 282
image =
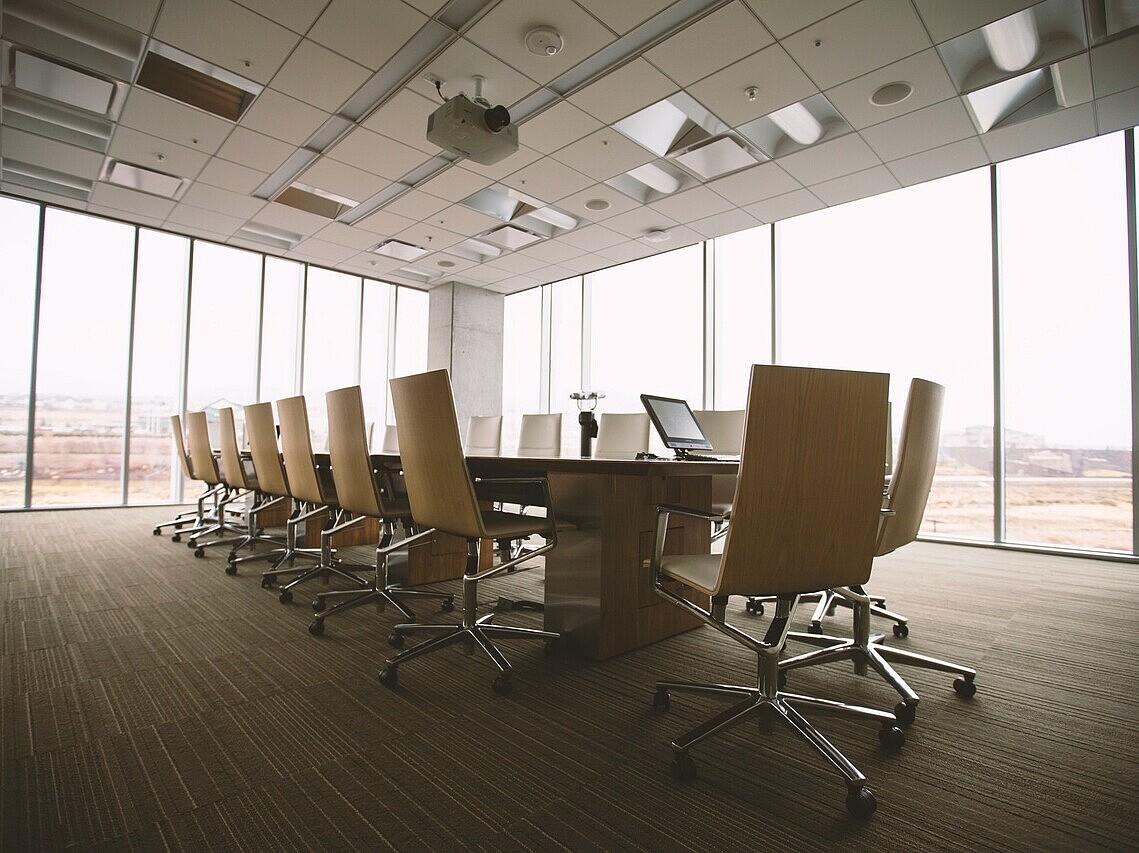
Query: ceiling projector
pixel 473 129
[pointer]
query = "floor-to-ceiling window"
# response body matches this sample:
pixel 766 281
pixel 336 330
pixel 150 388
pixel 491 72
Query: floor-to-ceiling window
pixel 281 328
pixel 332 336
pixel 521 361
pixel 742 271
pixel 1067 395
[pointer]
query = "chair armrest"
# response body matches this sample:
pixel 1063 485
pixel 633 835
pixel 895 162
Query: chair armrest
pixel 527 491
pixel 663 512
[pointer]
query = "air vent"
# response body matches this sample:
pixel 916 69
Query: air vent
pixel 35 177
pixel 184 78
pixel 278 238
pixel 313 200
pixel 400 251
pixel 142 179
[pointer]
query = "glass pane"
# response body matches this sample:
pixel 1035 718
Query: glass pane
pixel 1067 347
pixel 81 371
pixel 281 329
pixel 743 312
pixel 521 362
pixel 374 355
pixel 225 302
pixel 565 358
pixel 410 336
pixel 156 380
pixel 647 331
pixel 901 283
pixel 19 242
pixel 332 333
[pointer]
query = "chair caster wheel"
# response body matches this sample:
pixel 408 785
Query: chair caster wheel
pixel 286 596
pixel 395 640
pixel 199 552
pixel 448 605
pixel 389 677
pixel 177 537
pixel 891 737
pixel 861 802
pixel 815 628
pixel 231 569
pixel 905 713
pixel 755 608
pixel 662 701
pixel 502 684
pixel 683 767
pixel 266 583
pixel 901 630
pixel 965 688
pixel 318 605
pixel 316 627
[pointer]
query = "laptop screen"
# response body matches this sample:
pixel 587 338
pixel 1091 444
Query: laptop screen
pixel 675 422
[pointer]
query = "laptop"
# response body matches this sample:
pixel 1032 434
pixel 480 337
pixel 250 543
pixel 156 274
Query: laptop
pixel 679 429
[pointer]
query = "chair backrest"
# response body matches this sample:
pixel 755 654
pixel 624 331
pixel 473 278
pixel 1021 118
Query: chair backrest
pixel 203 466
pixel 435 470
pixel 296 447
pixel 180 447
pixel 622 435
pixel 724 428
pixel 914 466
pixel 356 488
pixel 484 435
pixel 540 435
pixel 391 440
pixel 232 468
pixel 809 494
pixel 264 450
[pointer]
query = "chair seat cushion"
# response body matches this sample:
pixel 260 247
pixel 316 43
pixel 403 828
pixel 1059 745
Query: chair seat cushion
pixel 509 525
pixel 699 571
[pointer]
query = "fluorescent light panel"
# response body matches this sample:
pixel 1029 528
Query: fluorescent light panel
pixel 400 251
pixel 170 72
pixel 61 83
pixel 144 180
pixel 1013 41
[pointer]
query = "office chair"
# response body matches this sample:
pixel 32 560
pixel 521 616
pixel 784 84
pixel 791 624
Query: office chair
pixel 904 507
pixel 204 466
pixel 444 498
pixel 484 435
pixel 806 515
pixel 390 443
pixel 193 518
pixel 362 493
pixel 540 435
pixel 725 429
pixel 622 435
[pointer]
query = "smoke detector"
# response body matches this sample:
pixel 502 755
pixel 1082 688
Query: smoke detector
pixel 544 41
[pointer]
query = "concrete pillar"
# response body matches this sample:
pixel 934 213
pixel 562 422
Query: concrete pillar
pixel 464 335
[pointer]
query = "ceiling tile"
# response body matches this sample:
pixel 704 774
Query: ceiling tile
pixel 232 176
pixel 502 33
pixel 416 205
pixel 346 235
pixel 138 15
pixel 289 219
pixel 631 250
pixel 854 41
pixel 377 154
pixel 603 154
pixel 130 201
pixel 455 184
pixel 859 185
pixel 923 71
pixel 754 184
pixel 142 149
pixel 457 67
pixel 592 238
pixel 784 18
pixel 297 15
pixel 385 223
pixel 1115 65
pixel 277 115
pixel 785 206
pixel 829 160
pixel 463 220
pixel 727 35
pixel 219 32
pixel 639 221
pixel 696 203
pixel 575 204
pixel 623 91
pixel 255 150
pixel 1118 111
pixel 59 156
pixel 343 180
pixel 557 127
pixel 322 251
pixel 919 131
pixel 202 220
pixel 946 20
pixel 552 251
pixel 777 79
pixel 168 119
pixel 622 17
pixel 317 76
pixel 728 222
pixel 365 31
pixel 939 162
pixel 225 201
pixel 404 118
pixel 547 181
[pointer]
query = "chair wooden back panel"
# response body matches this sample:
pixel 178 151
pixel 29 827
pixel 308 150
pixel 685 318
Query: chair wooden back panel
pixel 914 466
pixel 809 494
pixel 296 447
pixel 264 450
pixel 348 448
pixel 435 470
pixel 724 428
pixel 540 435
pixel 484 435
pixel 621 434
pixel 180 447
pixel 202 463
pixel 232 469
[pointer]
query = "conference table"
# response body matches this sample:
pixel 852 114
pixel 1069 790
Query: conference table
pixel 598 594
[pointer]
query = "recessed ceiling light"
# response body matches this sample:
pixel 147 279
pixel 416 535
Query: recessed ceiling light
pixel 657 235
pixel 142 179
pixel 446 264
pixel 890 94
pixel 400 251
pixel 597 204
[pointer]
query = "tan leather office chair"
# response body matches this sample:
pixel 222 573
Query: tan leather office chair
pixel 204 466
pixel 540 435
pixel 313 493
pixel 240 474
pixel 622 435
pixel 805 518
pixel 484 436
pixel 363 492
pixel 192 520
pixel 904 505
pixel 444 498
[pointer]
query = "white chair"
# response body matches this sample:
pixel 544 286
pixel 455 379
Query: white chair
pixel 484 436
pixel 725 429
pixel 391 440
pixel 540 435
pixel 622 435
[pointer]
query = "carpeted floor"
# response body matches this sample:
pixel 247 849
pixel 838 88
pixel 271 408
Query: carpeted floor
pixel 150 701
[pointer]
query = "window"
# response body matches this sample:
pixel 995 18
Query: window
pixel 281 329
pixel 410 336
pixel 374 339
pixel 1067 379
pixel 332 335
pixel 565 357
pixel 743 312
pixel 521 362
